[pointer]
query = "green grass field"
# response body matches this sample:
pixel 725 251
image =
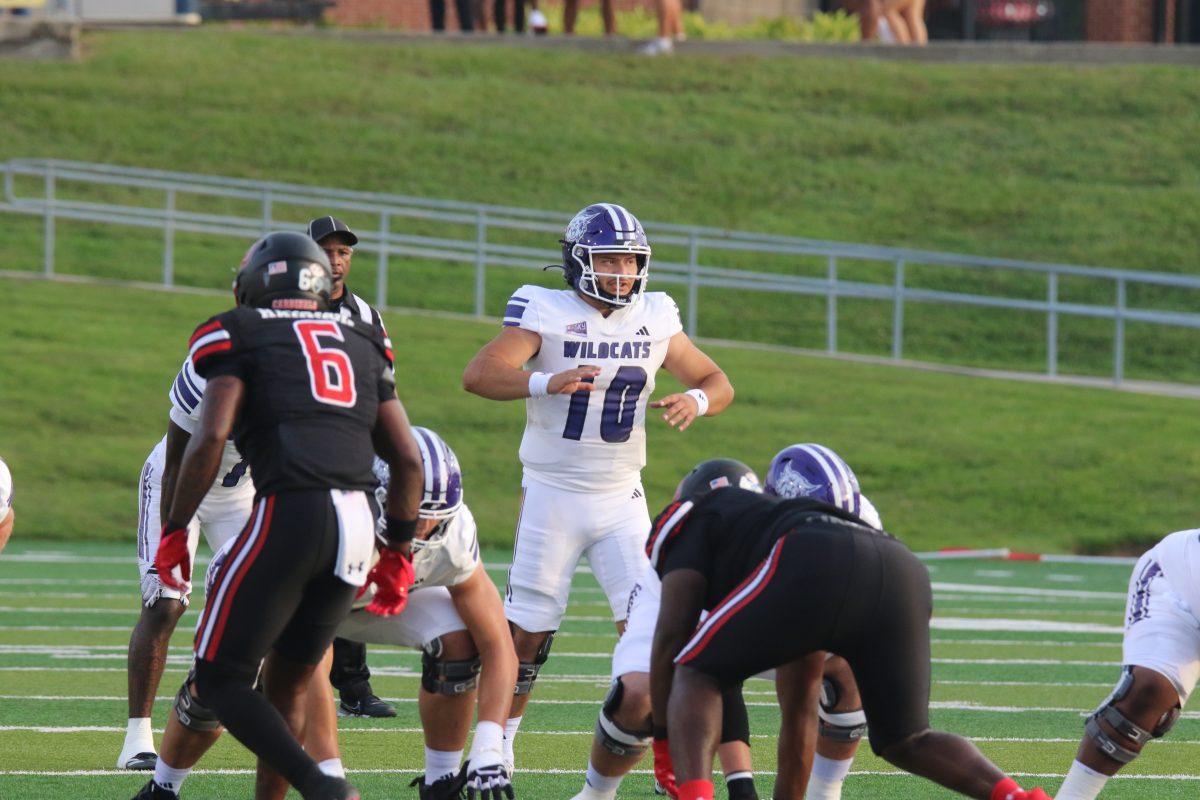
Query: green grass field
pixel 1022 651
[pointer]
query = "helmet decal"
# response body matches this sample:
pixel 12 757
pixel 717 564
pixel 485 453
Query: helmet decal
pixel 813 470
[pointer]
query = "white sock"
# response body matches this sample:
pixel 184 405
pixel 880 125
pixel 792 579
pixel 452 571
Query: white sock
pixel 139 737
pixel 332 767
pixel 510 733
pixel 602 785
pixel 1082 783
pixel 168 777
pixel 827 778
pixel 440 763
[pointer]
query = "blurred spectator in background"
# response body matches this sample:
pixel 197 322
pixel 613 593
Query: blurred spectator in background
pixel 437 11
pixel 906 19
pixel 868 12
pixel 500 12
pixel 571 11
pixel 670 27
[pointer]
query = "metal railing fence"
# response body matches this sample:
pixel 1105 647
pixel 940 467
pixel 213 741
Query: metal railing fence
pixel 57 190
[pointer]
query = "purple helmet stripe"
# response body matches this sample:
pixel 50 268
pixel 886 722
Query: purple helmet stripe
pixel 434 479
pixel 442 484
pixel 834 477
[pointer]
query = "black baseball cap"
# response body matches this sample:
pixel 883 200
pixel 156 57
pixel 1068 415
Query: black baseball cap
pixel 321 227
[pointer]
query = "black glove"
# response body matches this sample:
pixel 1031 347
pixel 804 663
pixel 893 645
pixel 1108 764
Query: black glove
pixel 488 782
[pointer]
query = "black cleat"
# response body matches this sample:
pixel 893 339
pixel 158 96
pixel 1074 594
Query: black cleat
pixel 447 787
pixel 332 788
pixel 368 705
pixel 141 761
pixel 152 791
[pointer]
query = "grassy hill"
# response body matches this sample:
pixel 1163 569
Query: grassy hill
pixel 949 460
pixel 1091 165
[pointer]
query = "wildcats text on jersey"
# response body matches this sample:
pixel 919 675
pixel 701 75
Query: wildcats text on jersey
pixel 601 350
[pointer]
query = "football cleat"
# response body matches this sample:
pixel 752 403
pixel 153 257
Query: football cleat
pixel 366 706
pixel 152 791
pixel 139 761
pixel 448 787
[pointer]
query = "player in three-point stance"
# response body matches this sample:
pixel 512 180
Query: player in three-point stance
pixel 754 560
pixel 1161 665
pixel 584 359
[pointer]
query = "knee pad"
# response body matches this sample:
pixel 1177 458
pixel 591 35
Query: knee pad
pixel 614 738
pixel 846 726
pixel 1127 731
pixel 191 713
pixel 527 672
pixel 450 678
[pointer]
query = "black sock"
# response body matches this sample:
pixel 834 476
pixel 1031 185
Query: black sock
pixel 742 789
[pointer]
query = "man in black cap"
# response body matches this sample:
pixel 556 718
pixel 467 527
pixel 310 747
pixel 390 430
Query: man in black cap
pixel 349 672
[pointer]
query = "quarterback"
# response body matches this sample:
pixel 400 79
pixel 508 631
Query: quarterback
pixel 584 359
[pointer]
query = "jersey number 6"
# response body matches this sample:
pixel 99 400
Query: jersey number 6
pixel 620 407
pixel 330 373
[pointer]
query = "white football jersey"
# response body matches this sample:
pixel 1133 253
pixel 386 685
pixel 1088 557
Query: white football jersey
pixel 449 558
pixel 1177 559
pixel 187 398
pixel 593 441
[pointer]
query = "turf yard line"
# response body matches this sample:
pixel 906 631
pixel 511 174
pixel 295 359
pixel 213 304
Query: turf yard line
pixel 1080 594
pixel 1025 642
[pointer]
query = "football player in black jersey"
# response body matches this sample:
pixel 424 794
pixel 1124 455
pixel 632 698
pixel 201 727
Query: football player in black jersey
pixel 309 396
pixel 786 581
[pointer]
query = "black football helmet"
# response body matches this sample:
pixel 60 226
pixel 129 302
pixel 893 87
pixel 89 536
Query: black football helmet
pixel 715 473
pixel 286 271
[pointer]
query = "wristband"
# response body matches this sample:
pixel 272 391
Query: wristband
pixel 701 401
pixel 400 531
pixel 539 384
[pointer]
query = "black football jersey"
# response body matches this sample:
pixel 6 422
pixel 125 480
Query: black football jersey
pixel 728 532
pixel 314 382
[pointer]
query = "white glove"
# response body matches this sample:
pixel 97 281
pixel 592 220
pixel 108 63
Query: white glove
pixel 488 782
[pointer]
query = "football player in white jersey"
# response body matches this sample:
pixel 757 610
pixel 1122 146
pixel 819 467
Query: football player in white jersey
pixel 584 359
pixel 7 515
pixel 221 515
pixel 1161 665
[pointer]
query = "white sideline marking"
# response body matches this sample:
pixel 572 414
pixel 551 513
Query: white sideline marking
pixel 1040 625
pixel 994 573
pixel 1040 591
pixel 1065 578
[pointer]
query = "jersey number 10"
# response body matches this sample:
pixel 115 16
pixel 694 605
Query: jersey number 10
pixel 620 407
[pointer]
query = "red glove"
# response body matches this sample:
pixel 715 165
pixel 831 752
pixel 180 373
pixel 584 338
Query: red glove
pixel 1008 789
pixel 172 553
pixel 392 576
pixel 664 770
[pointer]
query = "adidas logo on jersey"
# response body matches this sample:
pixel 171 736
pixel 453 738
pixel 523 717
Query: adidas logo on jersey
pixel 642 331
